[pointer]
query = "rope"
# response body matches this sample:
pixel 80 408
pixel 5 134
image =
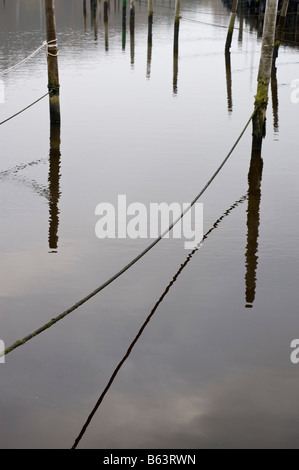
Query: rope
pixel 27 107
pixel 44 44
pixel 52 44
pixel 134 261
pixel 49 44
pixel 157 304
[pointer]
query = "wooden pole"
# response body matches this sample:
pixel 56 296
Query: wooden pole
pixel 52 61
pixel 231 25
pixel 264 73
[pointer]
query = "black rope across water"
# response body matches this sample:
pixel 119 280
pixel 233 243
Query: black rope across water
pixel 134 261
pixel 157 304
pixel 27 107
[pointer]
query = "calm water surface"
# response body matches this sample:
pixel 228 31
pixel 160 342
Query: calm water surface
pixel 212 367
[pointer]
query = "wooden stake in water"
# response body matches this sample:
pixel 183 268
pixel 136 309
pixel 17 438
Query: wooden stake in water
pixel 230 31
pixel 52 61
pixel 264 73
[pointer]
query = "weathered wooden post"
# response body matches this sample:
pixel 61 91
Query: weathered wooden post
pixel 176 26
pixel 52 61
pixel 264 73
pixel 230 31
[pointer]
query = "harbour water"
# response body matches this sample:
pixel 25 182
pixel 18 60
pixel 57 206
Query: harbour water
pixel 211 367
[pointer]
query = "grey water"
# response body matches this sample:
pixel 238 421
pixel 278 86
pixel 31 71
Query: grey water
pixel 211 367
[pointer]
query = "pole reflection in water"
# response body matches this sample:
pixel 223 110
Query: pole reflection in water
pixel 253 223
pixel 132 14
pixel 106 27
pixel 132 31
pixel 274 92
pixel 241 22
pixel 93 17
pixel 106 8
pixel 149 45
pixel 176 46
pixel 84 15
pixel 54 190
pixel 124 25
pixel 228 82
pixel 175 72
pixel 167 289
